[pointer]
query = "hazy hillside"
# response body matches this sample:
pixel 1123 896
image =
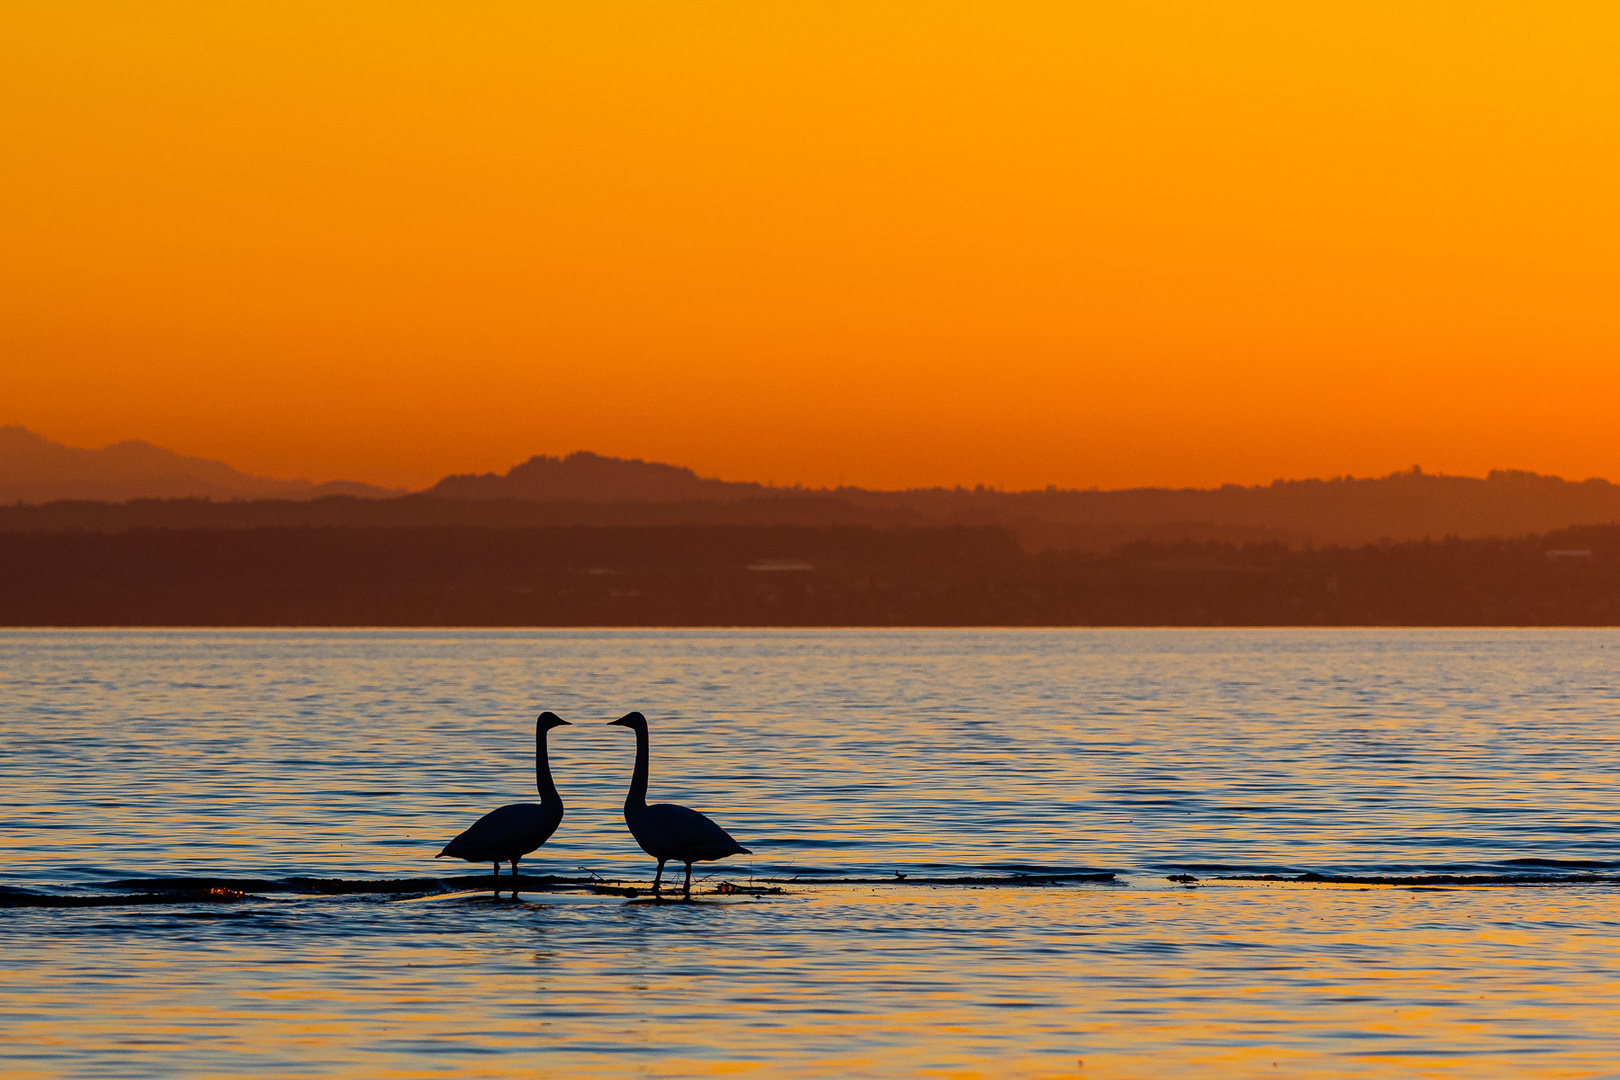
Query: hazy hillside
pixel 1403 506
pixel 135 485
pixel 586 477
pixel 35 470
pixel 419 511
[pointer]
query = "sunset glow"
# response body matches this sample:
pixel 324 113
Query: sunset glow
pixel 889 245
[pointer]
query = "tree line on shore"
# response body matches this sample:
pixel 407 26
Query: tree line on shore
pixel 787 575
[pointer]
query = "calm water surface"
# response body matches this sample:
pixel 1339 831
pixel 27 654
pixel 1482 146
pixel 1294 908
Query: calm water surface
pixel 834 755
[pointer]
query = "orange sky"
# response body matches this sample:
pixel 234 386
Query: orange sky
pixel 895 244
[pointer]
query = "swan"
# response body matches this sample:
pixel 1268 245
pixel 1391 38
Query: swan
pixel 508 833
pixel 666 831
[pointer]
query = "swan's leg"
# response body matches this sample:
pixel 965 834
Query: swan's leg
pixel 514 879
pixel 687 892
pixel 658 877
pixel 497 881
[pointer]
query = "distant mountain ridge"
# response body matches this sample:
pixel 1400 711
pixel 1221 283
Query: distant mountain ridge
pixel 33 469
pixel 1403 506
pixel 586 477
pixel 142 486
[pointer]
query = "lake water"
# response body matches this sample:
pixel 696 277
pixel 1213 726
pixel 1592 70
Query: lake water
pixel 842 758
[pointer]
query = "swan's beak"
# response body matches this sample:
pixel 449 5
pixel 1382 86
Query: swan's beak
pixel 626 720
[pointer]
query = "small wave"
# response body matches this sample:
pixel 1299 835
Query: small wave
pixel 1429 879
pixel 1003 880
pixel 18 898
pixel 1572 864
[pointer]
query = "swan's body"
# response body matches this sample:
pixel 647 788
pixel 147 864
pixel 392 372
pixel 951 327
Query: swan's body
pixel 666 831
pixel 508 833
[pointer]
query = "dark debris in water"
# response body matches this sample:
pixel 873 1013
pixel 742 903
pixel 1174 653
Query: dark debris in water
pixel 192 884
pixel 194 890
pixel 343 886
pixel 15 898
pixel 421 886
pixel 211 890
pixel 728 888
pixel 725 888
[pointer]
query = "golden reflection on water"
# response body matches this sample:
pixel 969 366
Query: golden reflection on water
pixel 266 755
pixel 1294 980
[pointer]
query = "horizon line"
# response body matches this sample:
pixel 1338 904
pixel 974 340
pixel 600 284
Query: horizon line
pixel 799 487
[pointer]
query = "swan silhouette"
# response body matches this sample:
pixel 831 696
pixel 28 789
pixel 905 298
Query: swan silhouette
pixel 508 833
pixel 666 831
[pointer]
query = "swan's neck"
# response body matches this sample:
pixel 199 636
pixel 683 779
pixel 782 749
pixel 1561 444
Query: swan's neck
pixel 542 770
pixel 637 798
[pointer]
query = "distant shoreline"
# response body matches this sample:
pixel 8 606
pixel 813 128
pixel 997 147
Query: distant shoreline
pixel 758 576
pixel 297 628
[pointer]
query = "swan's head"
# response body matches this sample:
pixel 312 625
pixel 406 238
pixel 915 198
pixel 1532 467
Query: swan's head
pixel 549 720
pixel 633 720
